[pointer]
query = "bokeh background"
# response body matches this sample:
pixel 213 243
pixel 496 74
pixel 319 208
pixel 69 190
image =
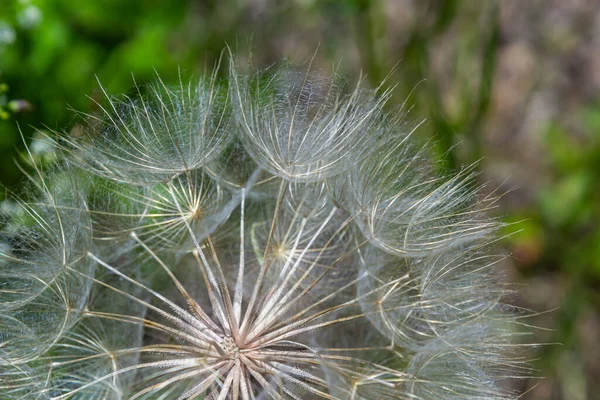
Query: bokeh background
pixel 513 84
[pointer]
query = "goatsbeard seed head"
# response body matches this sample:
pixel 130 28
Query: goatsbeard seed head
pixel 279 236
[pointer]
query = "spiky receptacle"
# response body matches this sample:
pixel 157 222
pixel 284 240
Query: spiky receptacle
pixel 305 252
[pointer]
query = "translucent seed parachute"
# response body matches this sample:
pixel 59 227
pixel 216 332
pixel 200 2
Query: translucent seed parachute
pixel 274 235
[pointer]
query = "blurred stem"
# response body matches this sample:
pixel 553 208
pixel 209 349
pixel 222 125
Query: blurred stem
pixel 370 28
pixel 417 54
pixel 486 79
pixel 445 16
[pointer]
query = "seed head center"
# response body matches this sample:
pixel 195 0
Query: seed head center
pixel 230 347
pixel 196 213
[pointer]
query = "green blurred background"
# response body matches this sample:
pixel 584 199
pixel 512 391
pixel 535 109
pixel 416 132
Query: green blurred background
pixel 512 83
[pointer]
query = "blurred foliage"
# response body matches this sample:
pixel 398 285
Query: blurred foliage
pixel 446 59
pixel 560 233
pixel 54 48
pixel 564 219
